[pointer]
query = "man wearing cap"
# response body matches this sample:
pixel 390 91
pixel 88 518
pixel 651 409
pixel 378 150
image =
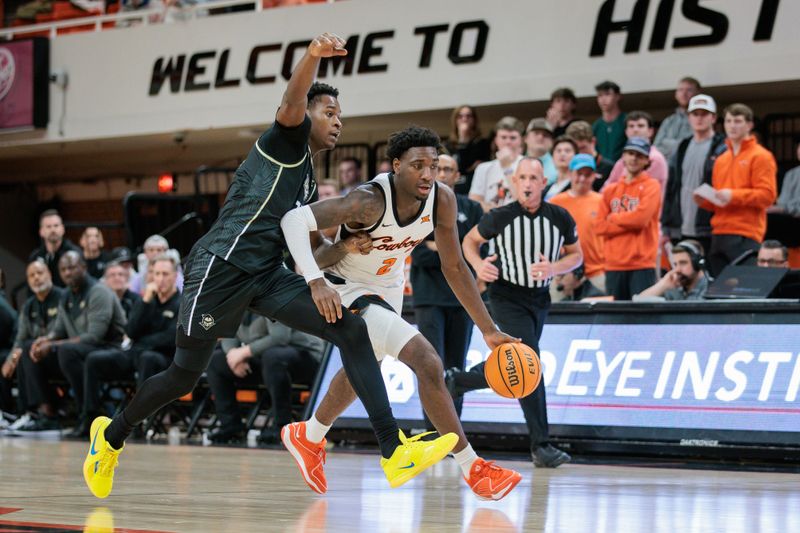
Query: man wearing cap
pixel 676 127
pixel 539 142
pixel 744 184
pixel 690 167
pixel 628 220
pixel 581 132
pixel 609 129
pixel 584 204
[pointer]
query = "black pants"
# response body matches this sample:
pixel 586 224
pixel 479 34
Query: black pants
pixel 726 248
pixel 624 284
pixel 6 399
pixel 449 330
pixel 72 360
pixel 35 376
pixel 520 314
pixel 148 363
pixel 99 366
pixel 277 368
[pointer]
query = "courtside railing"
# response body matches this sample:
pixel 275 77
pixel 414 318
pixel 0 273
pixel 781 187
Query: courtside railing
pixel 126 18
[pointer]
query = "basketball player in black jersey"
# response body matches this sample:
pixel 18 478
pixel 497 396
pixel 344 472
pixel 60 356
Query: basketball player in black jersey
pixel 238 265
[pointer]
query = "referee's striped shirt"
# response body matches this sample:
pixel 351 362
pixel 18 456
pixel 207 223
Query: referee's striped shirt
pixel 516 235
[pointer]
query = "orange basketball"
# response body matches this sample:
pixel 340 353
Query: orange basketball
pixel 513 370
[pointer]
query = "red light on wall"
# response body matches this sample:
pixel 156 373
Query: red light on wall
pixel 167 183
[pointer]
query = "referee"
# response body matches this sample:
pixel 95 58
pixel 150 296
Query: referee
pixel 527 238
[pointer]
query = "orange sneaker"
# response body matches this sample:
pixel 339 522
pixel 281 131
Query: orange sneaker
pixel 491 482
pixel 310 456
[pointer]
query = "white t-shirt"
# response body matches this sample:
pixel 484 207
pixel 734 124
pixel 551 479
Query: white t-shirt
pixel 492 183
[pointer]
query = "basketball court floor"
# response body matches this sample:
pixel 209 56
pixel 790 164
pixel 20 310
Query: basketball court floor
pixel 195 488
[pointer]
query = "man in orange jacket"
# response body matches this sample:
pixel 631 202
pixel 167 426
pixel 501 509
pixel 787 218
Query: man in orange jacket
pixel 745 185
pixel 628 220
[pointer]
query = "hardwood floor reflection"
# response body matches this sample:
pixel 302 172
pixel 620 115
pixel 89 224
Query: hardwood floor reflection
pixel 190 488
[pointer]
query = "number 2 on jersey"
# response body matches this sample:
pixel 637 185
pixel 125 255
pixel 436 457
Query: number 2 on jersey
pixel 387 266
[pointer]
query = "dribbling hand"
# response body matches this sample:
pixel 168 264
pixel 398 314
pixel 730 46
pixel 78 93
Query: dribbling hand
pixel 327 45
pixel 496 338
pixel 328 302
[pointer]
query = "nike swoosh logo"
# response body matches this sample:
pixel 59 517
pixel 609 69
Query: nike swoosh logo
pixel 92 451
pixel 386 225
pixel 408 466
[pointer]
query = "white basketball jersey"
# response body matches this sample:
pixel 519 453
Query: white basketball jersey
pixel 381 272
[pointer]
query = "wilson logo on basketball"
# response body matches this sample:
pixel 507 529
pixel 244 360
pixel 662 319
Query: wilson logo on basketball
pixel 388 243
pixel 511 368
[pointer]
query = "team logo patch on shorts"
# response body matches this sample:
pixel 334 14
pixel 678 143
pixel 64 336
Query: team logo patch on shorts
pixel 207 322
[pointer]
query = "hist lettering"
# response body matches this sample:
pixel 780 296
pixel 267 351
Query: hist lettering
pixel 633 27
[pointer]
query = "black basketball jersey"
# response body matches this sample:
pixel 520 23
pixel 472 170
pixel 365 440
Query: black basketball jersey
pixel 277 176
pixel 516 236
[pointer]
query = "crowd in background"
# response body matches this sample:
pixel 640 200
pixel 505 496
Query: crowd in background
pixel 659 213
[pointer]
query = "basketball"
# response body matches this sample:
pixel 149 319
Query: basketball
pixel 513 370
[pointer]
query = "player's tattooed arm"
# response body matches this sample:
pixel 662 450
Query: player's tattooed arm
pixel 361 208
pixel 327 253
pixel 455 269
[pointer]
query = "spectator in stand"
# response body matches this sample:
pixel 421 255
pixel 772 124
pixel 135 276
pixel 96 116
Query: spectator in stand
pixel 628 220
pixel 561 112
pixel 116 278
pixel 687 280
pixel 327 189
pixel 583 204
pixel 440 317
pixel 539 142
pixel 609 129
pixel 89 318
pixel 154 246
pixel 92 245
pixel 151 327
pixel 491 184
pixel 676 127
pixel 691 166
pixel 8 330
pixel 574 286
pixel 788 203
pixel 122 256
pixel 744 186
pixel 37 319
pixel 262 350
pixel 641 124
pixel 773 254
pixel 384 167
pixel 581 132
pixel 466 145
pixel 349 174
pixel 564 149
pixel 54 245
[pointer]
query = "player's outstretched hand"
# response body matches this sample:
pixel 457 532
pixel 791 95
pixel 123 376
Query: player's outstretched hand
pixel 328 302
pixel 497 337
pixel 358 243
pixel 327 45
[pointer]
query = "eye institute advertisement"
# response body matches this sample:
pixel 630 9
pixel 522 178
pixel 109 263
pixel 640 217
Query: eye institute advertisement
pixel 739 377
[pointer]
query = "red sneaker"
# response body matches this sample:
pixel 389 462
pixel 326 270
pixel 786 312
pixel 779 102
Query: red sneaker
pixel 491 482
pixel 310 456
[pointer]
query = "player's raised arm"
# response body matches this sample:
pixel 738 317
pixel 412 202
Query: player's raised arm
pixel 294 103
pixel 457 273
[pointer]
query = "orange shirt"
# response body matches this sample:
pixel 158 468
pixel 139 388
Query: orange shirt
pixel 584 210
pixel 628 220
pixel 751 175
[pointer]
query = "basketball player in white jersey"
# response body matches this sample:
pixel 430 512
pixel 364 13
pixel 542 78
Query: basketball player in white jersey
pixel 380 224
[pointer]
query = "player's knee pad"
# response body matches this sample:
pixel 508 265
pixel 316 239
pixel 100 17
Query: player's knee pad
pixel 181 380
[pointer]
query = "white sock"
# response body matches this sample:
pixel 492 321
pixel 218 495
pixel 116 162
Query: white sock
pixel 316 430
pixel 465 459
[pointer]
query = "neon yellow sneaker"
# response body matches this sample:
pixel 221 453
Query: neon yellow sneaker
pixel 415 455
pixel 98 468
